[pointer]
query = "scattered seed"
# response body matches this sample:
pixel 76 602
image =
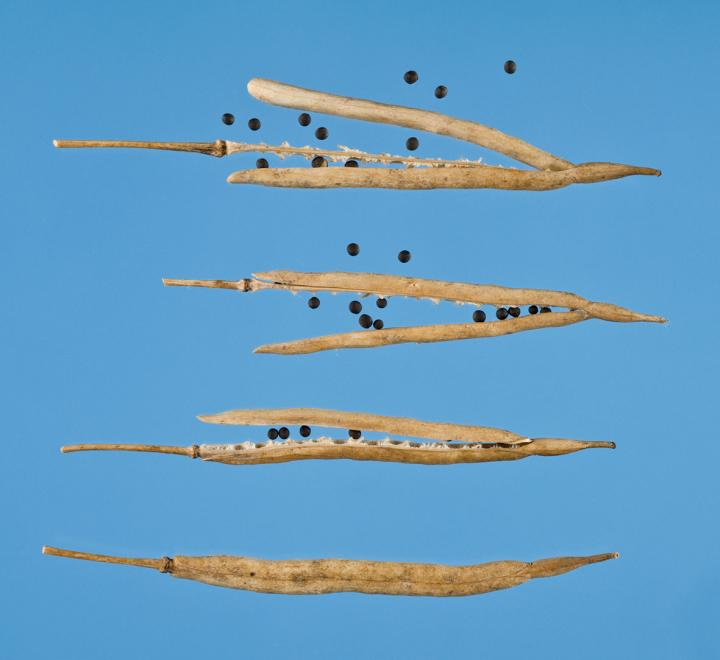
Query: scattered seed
pixel 544 310
pixel 261 163
pixel 381 303
pixel 351 163
pixel 514 311
pixel 412 143
pixel 304 119
pixel 321 133
pixel 314 302
pixel 353 249
pixel 272 434
pixel 254 124
pixel 510 67
pixel 355 435
pixel 228 119
pixel 355 307
pixel 501 313
pixel 304 431
pixel 404 256
pixel 479 316
pixel 378 324
pixel 533 309
pixel 411 77
pixel 365 320
pixel 440 92
pixel 319 161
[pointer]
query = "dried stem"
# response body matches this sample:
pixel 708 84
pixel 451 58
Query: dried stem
pixel 322 576
pixel 217 148
pixel 157 449
pixel 290 96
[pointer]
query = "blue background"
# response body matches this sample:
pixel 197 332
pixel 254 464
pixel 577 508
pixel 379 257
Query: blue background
pixel 94 348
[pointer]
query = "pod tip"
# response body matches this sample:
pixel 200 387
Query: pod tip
pixel 55 143
pixel 45 550
pixel 63 449
pixel 614 555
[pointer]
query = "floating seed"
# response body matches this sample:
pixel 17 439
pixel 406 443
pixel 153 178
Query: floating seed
pixel 261 163
pixel 411 77
pixel 314 302
pixel 284 433
pixel 351 163
pixel 378 324
pixel 404 256
pixel 514 311
pixel 319 161
pixel 381 303
pixel 533 309
pixel 321 133
pixel 304 431
pixel 353 249
pixel 412 143
pixel 355 307
pixel 440 92
pixel 479 316
pixel 501 313
pixel 304 119
pixel 365 320
pixel 254 124
pixel 228 119
pixel 272 434
pixel 355 435
pixel 545 310
pixel 510 67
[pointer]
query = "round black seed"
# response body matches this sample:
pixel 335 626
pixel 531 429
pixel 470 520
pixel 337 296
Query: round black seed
pixel 353 249
pixel 304 119
pixel 365 320
pixel 404 256
pixel 254 124
pixel 355 435
pixel 283 432
pixel 514 311
pixel 378 324
pixel 272 434
pixel 314 302
pixel 510 67
pixel 412 143
pixel 533 309
pixel 321 133
pixel 319 161
pixel 544 310
pixel 261 163
pixel 355 307
pixel 381 303
pixel 304 431
pixel 440 92
pixel 479 316
pixel 351 163
pixel 411 77
pixel 228 119
pixel 501 313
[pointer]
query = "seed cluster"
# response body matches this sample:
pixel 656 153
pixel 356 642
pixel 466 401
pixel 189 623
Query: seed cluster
pixel 284 433
pixel 502 313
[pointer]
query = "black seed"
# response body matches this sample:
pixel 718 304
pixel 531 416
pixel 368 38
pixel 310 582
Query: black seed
pixel 314 302
pixel 412 143
pixel 365 320
pixel 321 133
pixel 510 67
pixel 501 313
pixel 404 256
pixel 410 77
pixel 254 124
pixel 351 163
pixel 261 163
pixel 319 161
pixel 479 316
pixel 355 435
pixel 533 309
pixel 514 311
pixel 304 119
pixel 355 307
pixel 228 119
pixel 381 303
pixel 304 431
pixel 440 92
pixel 378 324
pixel 272 434
pixel 544 310
pixel 353 249
pixel 283 432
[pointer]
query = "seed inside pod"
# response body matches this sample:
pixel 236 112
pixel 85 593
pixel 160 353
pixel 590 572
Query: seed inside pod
pixel 355 435
pixel 314 302
pixel 304 119
pixel 272 434
pixel 261 163
pixel 411 77
pixel 319 161
pixel 514 311
pixel 353 249
pixel 412 143
pixel 479 316
pixel 351 163
pixel 321 133
pixel 228 119
pixel 378 324
pixel 501 313
pixel 365 320
pixel 284 433
pixel 355 307
pixel 440 92
pixel 533 309
pixel 381 303
pixel 404 256
pixel 254 124
pixel 510 67
pixel 544 310
pixel 304 431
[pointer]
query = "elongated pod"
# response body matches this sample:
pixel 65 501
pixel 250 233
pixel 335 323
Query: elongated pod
pixel 323 576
